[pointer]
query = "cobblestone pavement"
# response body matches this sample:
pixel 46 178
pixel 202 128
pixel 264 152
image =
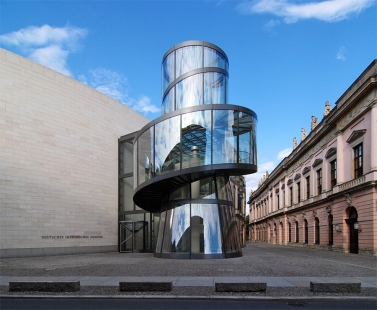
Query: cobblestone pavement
pixel 259 259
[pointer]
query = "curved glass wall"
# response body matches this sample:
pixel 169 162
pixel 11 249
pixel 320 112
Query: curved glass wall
pixel 194 139
pixel 182 84
pixel 199 228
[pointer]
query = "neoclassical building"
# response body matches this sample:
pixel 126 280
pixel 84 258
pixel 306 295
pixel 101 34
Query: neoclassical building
pixel 324 193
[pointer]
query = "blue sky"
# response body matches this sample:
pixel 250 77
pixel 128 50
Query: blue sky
pixel 286 57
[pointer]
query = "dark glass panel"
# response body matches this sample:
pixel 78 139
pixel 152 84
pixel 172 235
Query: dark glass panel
pixel 196 139
pixel 167 146
pixel 246 130
pixel 126 157
pixel 160 232
pixel 203 189
pixel 126 194
pixel 229 228
pixel 145 156
pixel 181 193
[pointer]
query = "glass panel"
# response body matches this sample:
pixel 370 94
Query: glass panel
pixel 126 157
pixel 213 58
pixel 168 103
pixel 214 88
pixel 177 230
pixel 223 188
pixel 167 145
pixel 126 194
pixel 145 156
pixel 167 71
pixel 246 127
pixel 203 189
pixel 196 139
pixel 160 232
pixel 229 228
pixel 188 58
pixel 224 136
pixel 181 193
pixel 189 92
pixel 205 228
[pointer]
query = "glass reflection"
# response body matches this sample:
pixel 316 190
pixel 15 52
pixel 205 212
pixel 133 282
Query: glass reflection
pixel 196 139
pixel 223 188
pixel 205 229
pixel 168 103
pixel 167 71
pixel 214 88
pixel 224 136
pixel 126 157
pixel 203 189
pixel 188 58
pixel 246 126
pixel 181 193
pixel 177 230
pixel 160 232
pixel 189 92
pixel 213 58
pixel 145 156
pixel 167 145
pixel 229 228
pixel 126 194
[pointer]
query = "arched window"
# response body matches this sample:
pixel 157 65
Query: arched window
pixel 306 231
pixel 297 233
pixel 316 231
pixel 289 233
pixel 331 231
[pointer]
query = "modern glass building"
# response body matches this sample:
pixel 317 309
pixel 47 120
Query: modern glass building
pixel 177 167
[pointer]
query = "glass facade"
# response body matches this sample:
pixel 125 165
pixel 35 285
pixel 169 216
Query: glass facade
pixel 182 161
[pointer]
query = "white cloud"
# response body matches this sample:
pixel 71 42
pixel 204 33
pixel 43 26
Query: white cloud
pixel 284 153
pixel 293 10
pixel 341 54
pixel 114 85
pixel 49 46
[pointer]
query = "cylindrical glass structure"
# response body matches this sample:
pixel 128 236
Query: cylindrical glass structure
pixel 184 158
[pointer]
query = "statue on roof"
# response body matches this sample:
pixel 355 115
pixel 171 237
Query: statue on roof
pixel 327 108
pixel 314 122
pixel 303 134
pixel 295 143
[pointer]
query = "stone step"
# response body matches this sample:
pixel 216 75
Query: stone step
pixel 44 286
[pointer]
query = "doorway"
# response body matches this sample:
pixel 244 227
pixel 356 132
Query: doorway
pixel 132 236
pixel 354 233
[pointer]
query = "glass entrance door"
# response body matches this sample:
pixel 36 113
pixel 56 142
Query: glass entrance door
pixel 132 236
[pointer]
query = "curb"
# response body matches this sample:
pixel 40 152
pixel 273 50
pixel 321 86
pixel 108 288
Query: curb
pixel 209 297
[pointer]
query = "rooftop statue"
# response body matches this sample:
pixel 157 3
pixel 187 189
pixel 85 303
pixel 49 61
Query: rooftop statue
pixel 314 122
pixel 303 134
pixel 327 108
pixel 295 143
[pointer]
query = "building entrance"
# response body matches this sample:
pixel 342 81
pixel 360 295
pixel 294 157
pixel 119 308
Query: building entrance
pixel 354 231
pixel 132 236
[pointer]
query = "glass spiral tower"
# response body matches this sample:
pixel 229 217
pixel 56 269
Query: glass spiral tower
pixel 183 159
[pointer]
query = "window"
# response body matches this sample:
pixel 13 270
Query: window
pixel 289 233
pixel 331 231
pixel 297 233
pixel 358 160
pixel 333 173
pixel 291 195
pixel 307 187
pixel 306 231
pixel 277 200
pixel 298 191
pixel 319 181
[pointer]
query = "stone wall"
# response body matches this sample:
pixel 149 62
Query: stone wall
pixel 58 161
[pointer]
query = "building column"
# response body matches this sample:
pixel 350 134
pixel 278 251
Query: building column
pixel 373 138
pixel 339 157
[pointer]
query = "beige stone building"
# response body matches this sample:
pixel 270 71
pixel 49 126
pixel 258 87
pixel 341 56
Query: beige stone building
pixel 324 193
pixel 58 161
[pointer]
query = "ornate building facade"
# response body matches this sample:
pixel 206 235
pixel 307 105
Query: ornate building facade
pixel 324 193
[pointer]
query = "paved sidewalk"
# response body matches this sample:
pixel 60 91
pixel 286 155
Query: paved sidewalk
pixel 200 281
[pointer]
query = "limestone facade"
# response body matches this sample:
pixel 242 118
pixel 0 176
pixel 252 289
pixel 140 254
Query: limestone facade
pixel 58 161
pixel 324 193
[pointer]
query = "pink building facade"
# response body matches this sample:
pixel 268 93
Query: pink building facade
pixel 324 193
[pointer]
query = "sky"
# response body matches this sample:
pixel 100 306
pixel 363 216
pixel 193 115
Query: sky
pixel 286 57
